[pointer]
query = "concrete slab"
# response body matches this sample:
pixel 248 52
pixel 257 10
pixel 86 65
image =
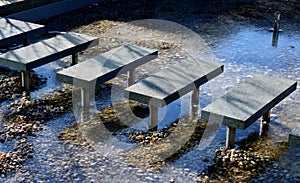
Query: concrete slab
pixel 46 51
pixel 15 31
pixel 173 82
pixel 294 137
pixel 245 104
pixel 106 66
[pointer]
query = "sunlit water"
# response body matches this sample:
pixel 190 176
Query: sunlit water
pixel 244 53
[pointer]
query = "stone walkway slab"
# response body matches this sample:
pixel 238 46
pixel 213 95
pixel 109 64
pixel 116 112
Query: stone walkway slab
pixel 173 82
pixel 245 104
pixel 46 51
pixel 106 65
pixel 15 31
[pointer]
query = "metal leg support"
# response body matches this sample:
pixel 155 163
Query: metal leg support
pixel 74 59
pixel 153 118
pixel 264 125
pixel 131 77
pixel 230 137
pixel 26 42
pixel 25 75
pixel 194 101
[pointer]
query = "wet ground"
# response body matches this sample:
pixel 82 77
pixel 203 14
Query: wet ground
pixel 235 32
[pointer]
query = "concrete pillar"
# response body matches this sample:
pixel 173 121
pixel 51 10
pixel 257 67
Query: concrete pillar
pixel 264 125
pixel 131 77
pixel 74 59
pixel 230 136
pixel 194 101
pixel 153 117
pixel 25 76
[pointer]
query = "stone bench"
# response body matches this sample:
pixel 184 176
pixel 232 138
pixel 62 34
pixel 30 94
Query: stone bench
pixel 46 51
pixel 294 137
pixel 170 84
pixel 14 31
pixel 245 104
pixel 104 67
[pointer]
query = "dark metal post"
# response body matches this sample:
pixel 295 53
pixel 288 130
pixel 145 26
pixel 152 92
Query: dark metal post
pixel 26 42
pixel 276 29
pixel 74 59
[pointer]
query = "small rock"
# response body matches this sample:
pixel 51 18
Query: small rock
pixel 172 180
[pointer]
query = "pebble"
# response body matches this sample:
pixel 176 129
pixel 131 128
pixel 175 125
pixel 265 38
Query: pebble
pixel 22 119
pixel 235 161
pixel 150 137
pixel 172 180
pixel 14 159
pixel 10 83
pixel 149 178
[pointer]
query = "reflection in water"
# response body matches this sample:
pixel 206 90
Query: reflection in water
pixel 276 29
pixel 275 38
pixel 251 46
pixel 247 52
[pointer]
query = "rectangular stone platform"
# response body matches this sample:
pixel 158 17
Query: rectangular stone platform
pixel 245 104
pixel 46 51
pixel 106 66
pixel 294 137
pixel 15 31
pixel 171 83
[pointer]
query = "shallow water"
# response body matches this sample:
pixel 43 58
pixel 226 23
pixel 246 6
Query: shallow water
pixel 244 53
pixel 252 47
pixel 250 51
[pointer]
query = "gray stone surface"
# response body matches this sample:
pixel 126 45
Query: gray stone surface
pixel 46 51
pixel 245 104
pixel 173 82
pixel 294 137
pixel 106 65
pixel 14 31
